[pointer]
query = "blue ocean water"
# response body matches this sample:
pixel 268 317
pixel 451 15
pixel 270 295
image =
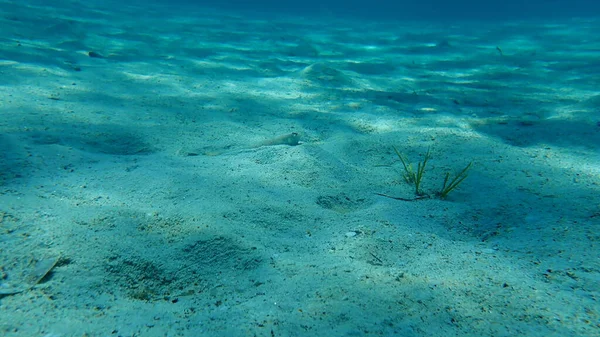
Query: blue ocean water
pixel 313 168
pixel 415 9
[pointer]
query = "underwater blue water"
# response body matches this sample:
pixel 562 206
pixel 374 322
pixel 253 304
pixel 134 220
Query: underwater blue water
pixel 418 9
pixel 235 168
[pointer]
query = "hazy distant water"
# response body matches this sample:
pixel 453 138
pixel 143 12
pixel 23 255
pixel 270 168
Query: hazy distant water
pixel 417 9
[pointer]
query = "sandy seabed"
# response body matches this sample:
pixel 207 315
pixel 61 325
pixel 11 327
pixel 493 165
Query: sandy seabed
pixel 144 190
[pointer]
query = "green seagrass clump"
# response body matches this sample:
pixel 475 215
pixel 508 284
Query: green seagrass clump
pixel 415 177
pixel 450 186
pixel 411 176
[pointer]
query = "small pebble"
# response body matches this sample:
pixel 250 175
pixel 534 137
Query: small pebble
pixel 95 55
